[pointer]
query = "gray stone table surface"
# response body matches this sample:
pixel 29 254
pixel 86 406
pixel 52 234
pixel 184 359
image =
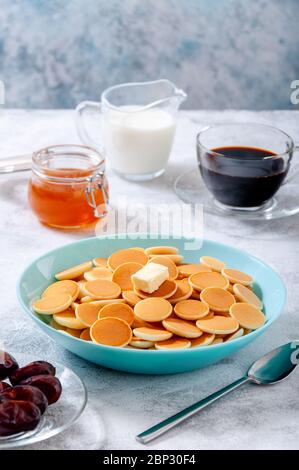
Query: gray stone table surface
pixel 120 404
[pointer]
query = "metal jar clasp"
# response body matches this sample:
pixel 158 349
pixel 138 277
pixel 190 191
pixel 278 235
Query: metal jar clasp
pixel 95 182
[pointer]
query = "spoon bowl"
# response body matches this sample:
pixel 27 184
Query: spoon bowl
pixel 276 365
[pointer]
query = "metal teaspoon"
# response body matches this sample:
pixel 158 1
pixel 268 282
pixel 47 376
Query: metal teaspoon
pixel 273 367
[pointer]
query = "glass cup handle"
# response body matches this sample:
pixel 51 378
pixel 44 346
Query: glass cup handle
pixel 99 180
pixel 294 168
pixel 80 124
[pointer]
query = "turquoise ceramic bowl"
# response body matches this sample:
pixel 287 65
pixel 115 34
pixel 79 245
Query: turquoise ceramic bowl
pixel 40 274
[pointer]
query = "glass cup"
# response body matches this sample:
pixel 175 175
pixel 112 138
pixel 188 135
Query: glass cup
pixel 68 188
pixel 138 126
pixel 244 165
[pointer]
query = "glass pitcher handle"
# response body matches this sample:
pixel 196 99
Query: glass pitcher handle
pixel 14 164
pixel 97 181
pixel 81 110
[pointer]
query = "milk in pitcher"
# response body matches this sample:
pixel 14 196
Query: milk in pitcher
pixel 138 141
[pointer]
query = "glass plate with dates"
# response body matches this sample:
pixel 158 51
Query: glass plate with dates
pixel 38 400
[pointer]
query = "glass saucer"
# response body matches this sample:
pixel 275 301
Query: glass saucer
pixel 190 188
pixel 58 416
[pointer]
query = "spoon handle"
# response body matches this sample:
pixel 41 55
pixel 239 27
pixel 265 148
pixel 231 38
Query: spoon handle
pixel 169 423
pixel 17 163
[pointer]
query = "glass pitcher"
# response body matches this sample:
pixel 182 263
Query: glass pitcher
pixel 137 128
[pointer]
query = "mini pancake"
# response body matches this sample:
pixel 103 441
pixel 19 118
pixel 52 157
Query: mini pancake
pixel 223 314
pixel 63 286
pixel 104 302
pixel 77 279
pixel 98 273
pixel 183 291
pixel 72 332
pixel 51 304
pixel 122 275
pixel 177 259
pixel 152 334
pixel 86 298
pixel 153 309
pixel 243 294
pixel 166 290
pixel 182 328
pixel 102 289
pixel 217 341
pixel 87 313
pixel 138 323
pixel 186 270
pixel 141 343
pixel 161 250
pixel 213 263
pixel 209 315
pixel 74 305
pixel 191 309
pixel 111 332
pixel 122 311
pixel 56 325
pixel 235 335
pixel 69 320
pixel 173 343
pixel 172 268
pixel 218 325
pixel 247 315
pixel 100 262
pixel 81 285
pixel 85 335
pixel 130 255
pixel 237 277
pixel 74 271
pixel 218 299
pixel 130 297
pixel 246 331
pixel 204 340
pixel 201 281
pixel 230 288
pixel 195 294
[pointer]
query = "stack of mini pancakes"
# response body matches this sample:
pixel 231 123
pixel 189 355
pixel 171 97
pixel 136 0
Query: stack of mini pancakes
pixel 200 304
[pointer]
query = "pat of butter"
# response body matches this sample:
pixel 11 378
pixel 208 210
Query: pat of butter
pixel 150 277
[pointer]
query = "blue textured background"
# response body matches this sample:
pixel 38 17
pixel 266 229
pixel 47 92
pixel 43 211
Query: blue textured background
pixel 225 53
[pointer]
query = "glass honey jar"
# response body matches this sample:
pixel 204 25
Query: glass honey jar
pixel 68 187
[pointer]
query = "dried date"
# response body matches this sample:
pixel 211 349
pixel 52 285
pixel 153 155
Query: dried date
pixel 18 416
pixel 32 369
pixel 48 384
pixel 4 386
pixel 8 365
pixel 26 393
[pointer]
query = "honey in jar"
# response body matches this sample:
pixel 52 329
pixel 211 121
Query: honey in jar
pixel 68 187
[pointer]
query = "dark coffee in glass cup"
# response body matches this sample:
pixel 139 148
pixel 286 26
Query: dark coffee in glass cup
pixel 243 165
